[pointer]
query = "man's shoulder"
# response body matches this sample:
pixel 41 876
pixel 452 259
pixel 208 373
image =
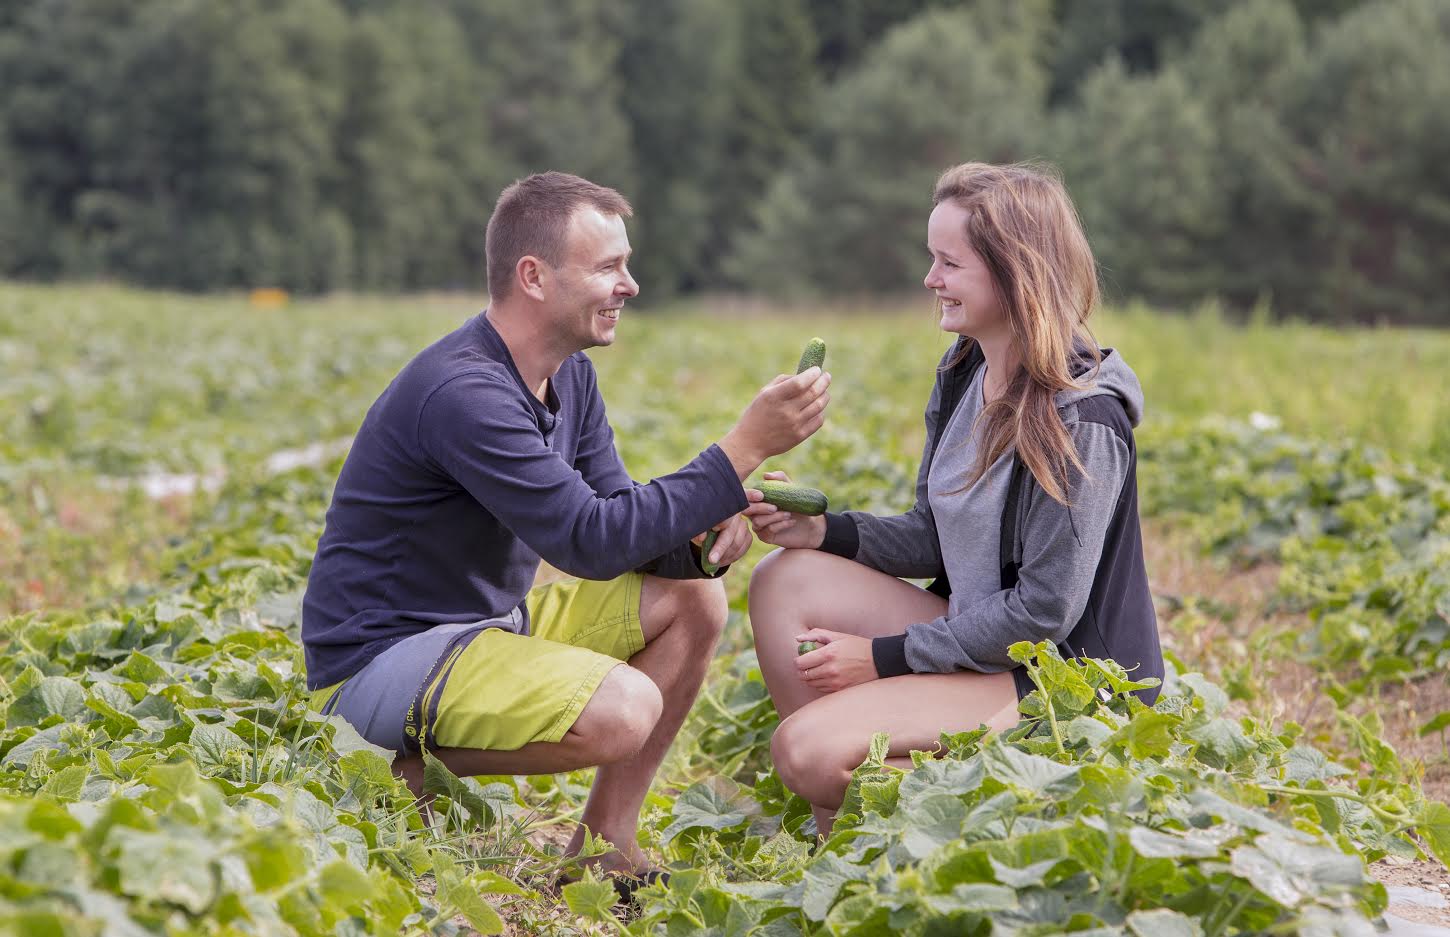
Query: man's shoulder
pixel 450 358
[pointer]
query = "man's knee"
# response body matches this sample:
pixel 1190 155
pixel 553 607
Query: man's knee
pixel 620 716
pixel 698 605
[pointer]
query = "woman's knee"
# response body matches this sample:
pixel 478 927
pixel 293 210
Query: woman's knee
pixel 782 580
pixel 807 761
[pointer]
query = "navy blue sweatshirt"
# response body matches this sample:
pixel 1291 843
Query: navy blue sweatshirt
pixel 460 479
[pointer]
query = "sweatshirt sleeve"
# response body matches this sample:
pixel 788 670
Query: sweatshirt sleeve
pixel 1061 549
pixel 477 430
pixel 902 544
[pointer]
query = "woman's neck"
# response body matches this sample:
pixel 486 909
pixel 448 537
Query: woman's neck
pixel 1002 362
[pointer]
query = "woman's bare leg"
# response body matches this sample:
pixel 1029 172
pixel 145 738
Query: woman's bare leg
pixel 817 747
pixel 795 590
pixel 792 591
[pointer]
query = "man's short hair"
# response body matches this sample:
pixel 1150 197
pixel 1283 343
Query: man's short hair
pixel 531 218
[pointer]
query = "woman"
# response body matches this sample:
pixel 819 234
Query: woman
pixel 1026 510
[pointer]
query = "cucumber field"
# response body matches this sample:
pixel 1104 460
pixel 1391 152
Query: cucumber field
pixel 166 461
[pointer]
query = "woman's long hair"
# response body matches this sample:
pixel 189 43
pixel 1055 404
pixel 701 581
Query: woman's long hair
pixel 1023 225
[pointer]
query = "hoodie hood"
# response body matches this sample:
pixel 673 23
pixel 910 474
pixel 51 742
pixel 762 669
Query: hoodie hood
pixel 1114 377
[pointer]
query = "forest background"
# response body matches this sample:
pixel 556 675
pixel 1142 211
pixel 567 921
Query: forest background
pixel 1286 154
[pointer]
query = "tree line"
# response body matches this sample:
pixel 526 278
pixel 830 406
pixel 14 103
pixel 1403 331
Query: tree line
pixel 1288 152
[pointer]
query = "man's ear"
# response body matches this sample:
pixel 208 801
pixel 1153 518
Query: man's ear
pixel 531 274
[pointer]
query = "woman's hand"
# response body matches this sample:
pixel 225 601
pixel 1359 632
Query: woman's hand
pixel 783 528
pixel 843 660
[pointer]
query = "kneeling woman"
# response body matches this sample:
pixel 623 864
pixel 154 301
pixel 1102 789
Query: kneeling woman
pixel 1026 510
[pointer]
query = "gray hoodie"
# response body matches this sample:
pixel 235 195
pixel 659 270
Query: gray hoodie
pixel 1060 561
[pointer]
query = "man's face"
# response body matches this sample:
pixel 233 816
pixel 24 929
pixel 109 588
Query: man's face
pixel 594 279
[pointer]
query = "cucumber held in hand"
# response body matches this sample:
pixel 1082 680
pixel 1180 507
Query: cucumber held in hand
pixel 805 647
pixel 814 356
pixel 705 548
pixel 798 499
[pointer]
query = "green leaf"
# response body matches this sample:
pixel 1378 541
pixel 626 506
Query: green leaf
pixel 700 806
pixel 166 866
pixel 143 669
pixel 1027 876
pixel 1289 871
pixel 457 891
pixel 210 745
pixel 1086 729
pixel 1214 699
pixel 932 823
pixel 1163 922
pixel 52 696
pixel 1221 743
pixel 1032 772
pixel 591 897
pixel 1433 825
pixel 1152 844
pixel 465 792
pixel 976 897
pixel 1437 724
pixel 823 881
pixel 67 783
pixel 1148 734
pixel 345 886
pixel 346 740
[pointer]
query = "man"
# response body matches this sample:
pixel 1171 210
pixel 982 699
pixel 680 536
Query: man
pixel 489 451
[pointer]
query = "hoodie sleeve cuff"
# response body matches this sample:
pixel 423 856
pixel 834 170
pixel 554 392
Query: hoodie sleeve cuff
pixel 842 537
pixel 889 655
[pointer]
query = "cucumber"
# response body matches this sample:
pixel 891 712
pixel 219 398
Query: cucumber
pixel 798 499
pixel 814 356
pixel 805 647
pixel 705 548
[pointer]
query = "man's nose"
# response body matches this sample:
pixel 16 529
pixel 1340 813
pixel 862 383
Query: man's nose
pixel 628 287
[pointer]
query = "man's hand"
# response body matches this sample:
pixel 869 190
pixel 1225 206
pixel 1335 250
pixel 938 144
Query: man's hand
pixel 845 660
pixel 785 413
pixel 733 542
pixel 783 528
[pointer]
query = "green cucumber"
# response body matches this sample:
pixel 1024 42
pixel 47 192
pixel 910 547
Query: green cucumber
pixel 705 548
pixel 805 647
pixel 798 499
pixel 814 356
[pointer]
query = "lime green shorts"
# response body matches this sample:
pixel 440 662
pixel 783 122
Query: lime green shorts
pixel 479 686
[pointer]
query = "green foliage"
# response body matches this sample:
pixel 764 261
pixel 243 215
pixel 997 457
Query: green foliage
pixel 847 213
pixel 168 720
pixel 1096 812
pixel 1364 539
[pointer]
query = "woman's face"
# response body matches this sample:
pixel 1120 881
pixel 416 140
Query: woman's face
pixel 959 278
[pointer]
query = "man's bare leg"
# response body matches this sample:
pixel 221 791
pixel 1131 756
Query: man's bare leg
pixel 628 724
pixel 613 726
pixel 682 622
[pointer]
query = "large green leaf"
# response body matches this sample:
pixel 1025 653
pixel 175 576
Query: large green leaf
pixel 700 806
